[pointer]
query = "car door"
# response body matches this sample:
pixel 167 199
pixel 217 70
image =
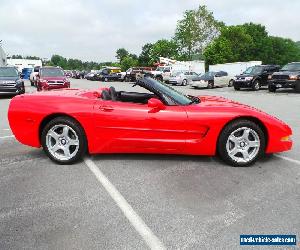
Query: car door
pixel 132 127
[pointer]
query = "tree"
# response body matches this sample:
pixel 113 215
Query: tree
pixel 128 62
pixel 163 48
pixel 196 30
pixel 250 42
pixel 145 56
pixel 121 54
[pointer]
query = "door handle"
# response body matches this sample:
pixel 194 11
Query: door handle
pixel 106 108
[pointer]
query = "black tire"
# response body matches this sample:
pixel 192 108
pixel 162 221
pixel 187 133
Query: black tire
pixel 256 85
pixel 297 88
pixel 272 88
pixel 237 88
pixel 159 78
pixel 210 84
pixel 231 82
pixel 79 132
pixel 105 79
pixel 230 128
pixel 31 83
pixel 184 82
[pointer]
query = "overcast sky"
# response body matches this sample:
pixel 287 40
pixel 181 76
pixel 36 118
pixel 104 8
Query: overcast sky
pixel 94 29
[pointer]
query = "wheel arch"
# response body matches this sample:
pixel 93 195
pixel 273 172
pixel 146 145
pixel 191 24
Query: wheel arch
pixel 50 117
pixel 249 118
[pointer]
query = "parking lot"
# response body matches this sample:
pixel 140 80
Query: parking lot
pixel 186 202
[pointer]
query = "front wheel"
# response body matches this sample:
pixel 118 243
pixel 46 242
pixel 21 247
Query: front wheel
pixel 63 140
pixel 231 82
pixel 241 143
pixel 184 82
pixel 256 85
pixel 272 88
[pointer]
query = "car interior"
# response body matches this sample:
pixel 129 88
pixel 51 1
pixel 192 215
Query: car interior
pixel 123 96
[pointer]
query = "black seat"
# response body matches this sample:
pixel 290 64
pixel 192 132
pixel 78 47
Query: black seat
pixel 105 95
pixel 113 94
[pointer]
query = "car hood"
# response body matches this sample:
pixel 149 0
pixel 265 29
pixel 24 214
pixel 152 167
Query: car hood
pixel 52 78
pixel 245 75
pixel 287 73
pixel 5 79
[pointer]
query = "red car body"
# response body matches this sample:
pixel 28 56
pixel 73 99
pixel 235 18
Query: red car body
pixel 49 82
pixel 123 127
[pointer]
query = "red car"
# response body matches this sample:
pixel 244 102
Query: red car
pixel 70 123
pixel 51 78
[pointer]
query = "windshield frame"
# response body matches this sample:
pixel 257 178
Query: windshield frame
pixel 287 68
pixel 11 69
pixel 54 75
pixel 254 70
pixel 167 94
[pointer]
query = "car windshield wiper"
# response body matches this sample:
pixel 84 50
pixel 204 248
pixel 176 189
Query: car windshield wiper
pixel 194 99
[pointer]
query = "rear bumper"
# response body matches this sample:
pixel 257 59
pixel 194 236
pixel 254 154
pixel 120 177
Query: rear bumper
pixel 283 83
pixel 199 84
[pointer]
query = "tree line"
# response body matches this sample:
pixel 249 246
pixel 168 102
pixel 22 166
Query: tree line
pixel 199 36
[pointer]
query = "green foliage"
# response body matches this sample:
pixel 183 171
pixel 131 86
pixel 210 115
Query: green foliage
pixel 250 42
pixel 129 62
pixel 121 54
pixel 144 58
pixel 196 30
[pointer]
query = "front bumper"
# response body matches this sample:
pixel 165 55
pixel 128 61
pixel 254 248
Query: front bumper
pixel 55 86
pixel 12 90
pixel 175 81
pixel 283 83
pixel 243 84
pixel 199 84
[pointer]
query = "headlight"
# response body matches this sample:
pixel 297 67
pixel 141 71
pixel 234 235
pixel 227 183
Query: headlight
pixel 293 77
pixel 248 78
pixel 235 78
pixel 43 81
pixel 270 77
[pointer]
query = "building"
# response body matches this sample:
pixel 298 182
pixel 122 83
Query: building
pixel 24 63
pixel 2 57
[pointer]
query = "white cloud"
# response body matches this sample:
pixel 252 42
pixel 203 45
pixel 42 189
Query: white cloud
pixel 94 30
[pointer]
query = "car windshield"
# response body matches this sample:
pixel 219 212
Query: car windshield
pixel 52 72
pixel 253 70
pixel 168 91
pixel 291 67
pixel 8 72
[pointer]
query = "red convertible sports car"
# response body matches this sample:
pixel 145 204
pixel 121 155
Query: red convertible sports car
pixel 69 123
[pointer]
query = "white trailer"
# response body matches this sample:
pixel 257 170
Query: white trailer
pixel 235 68
pixel 24 63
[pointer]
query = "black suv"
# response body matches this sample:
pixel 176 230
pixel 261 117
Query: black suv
pixel 287 77
pixel 255 77
pixel 10 81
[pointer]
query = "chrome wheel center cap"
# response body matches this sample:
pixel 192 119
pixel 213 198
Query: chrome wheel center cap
pixel 242 144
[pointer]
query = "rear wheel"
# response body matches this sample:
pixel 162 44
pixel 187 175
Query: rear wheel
pixel 63 140
pixel 241 143
pixel 184 82
pixel 159 78
pixel 210 84
pixel 230 84
pixel 256 85
pixel 272 88
pixel 297 88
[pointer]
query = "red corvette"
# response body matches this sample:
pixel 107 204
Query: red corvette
pixel 71 122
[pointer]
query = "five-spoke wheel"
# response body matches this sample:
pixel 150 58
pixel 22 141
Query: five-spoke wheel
pixel 63 140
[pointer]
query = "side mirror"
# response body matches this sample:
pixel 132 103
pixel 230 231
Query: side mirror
pixel 155 105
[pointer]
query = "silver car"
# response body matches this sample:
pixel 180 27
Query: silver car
pixel 183 77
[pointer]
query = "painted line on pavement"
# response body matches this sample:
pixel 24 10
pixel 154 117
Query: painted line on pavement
pixel 8 136
pixel 6 129
pixel 288 159
pixel 136 221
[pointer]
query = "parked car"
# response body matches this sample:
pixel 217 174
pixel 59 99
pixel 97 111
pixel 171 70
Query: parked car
pixel 183 78
pixel 255 77
pixel 109 74
pixel 90 76
pixel 32 77
pixel 161 120
pixel 10 81
pixel 288 77
pixel 131 73
pixel 213 79
pixel 68 73
pixel 51 78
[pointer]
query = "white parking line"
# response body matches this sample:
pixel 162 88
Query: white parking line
pixel 288 159
pixel 136 221
pixel 8 136
pixel 6 129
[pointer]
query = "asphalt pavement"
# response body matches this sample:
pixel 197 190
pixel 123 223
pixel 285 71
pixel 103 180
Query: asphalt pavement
pixel 142 201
